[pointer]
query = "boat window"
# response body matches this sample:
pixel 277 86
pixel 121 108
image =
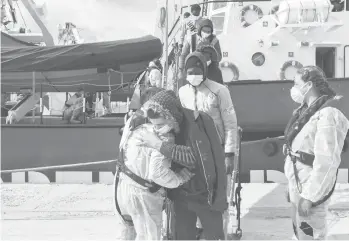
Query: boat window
pixel 326 60
pixel 338 5
pixel 219 5
pixel 218 23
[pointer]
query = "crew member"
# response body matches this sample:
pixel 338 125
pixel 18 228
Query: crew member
pixel 315 137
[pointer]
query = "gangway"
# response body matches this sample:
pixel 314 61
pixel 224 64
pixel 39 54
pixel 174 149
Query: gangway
pixel 17 112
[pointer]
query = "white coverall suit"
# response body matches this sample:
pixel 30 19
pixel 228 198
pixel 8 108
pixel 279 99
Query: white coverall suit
pixel 145 208
pixel 323 136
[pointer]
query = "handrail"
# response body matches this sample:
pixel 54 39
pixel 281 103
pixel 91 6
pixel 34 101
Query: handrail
pixel 174 25
pixel 226 1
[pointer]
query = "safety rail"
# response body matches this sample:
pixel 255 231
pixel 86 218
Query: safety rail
pixel 35 169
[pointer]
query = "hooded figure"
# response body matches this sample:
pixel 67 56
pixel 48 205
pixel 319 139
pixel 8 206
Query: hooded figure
pixel 213 71
pixel 143 206
pixel 203 94
pixel 315 138
pixel 204 37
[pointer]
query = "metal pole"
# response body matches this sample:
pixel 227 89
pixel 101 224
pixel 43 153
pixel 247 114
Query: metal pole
pixel 41 105
pixel 33 94
pixel 84 106
pixel 164 77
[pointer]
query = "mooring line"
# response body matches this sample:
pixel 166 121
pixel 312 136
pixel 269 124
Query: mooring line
pixel 57 167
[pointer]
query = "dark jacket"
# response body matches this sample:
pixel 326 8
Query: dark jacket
pixel 209 184
pixel 214 73
pixel 198 148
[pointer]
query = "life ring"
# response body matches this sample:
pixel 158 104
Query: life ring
pixel 248 8
pixel 274 10
pixel 286 65
pixel 233 68
pixel 162 17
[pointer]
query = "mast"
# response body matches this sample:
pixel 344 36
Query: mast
pixel 164 77
pixel 29 5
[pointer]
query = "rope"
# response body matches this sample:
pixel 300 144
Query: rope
pixel 20 12
pixel 57 167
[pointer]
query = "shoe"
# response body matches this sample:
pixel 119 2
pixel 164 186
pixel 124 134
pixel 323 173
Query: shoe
pixel 199 233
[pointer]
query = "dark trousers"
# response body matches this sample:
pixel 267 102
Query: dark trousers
pixel 186 214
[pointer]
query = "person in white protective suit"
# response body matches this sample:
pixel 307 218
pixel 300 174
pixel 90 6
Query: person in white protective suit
pixel 141 203
pixel 315 138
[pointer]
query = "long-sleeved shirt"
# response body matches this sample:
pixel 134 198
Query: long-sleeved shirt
pixel 323 136
pixel 149 163
pixel 215 100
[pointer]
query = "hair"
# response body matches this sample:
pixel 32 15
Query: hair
pixel 195 7
pixel 186 14
pixel 317 76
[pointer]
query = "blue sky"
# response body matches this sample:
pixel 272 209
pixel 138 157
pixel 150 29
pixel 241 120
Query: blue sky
pixel 98 20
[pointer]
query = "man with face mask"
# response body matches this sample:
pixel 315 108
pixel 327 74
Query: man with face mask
pixel 203 94
pixel 204 37
pixel 189 24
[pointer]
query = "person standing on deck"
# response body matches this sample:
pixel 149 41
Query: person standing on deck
pixel 189 24
pixel 142 167
pixel 197 148
pixel 213 71
pixel 203 94
pixel 154 73
pixel 204 37
pixel 315 137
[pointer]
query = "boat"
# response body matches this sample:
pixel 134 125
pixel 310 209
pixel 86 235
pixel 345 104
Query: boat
pixel 263 43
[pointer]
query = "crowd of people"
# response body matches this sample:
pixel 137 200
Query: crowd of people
pixel 183 147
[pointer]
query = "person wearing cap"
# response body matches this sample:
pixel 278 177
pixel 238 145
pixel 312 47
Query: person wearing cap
pixel 188 27
pixel 315 137
pixel 136 201
pixel 203 37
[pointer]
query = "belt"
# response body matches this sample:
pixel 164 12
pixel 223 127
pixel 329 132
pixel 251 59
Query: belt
pixel 307 159
pixel 151 186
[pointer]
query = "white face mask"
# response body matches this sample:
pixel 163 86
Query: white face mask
pixel 195 80
pixel 297 95
pixel 163 129
pixel 205 35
